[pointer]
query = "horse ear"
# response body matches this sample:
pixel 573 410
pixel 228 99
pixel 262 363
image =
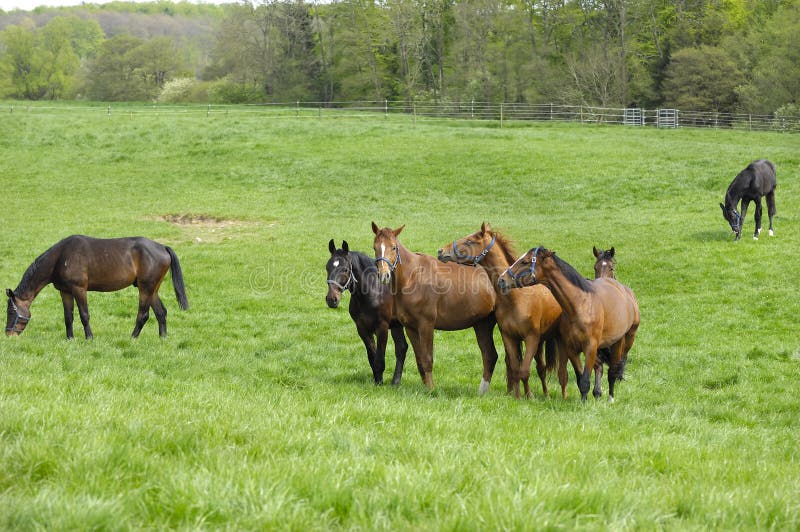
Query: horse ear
pixel 611 251
pixel 345 246
pixel 596 252
pixel 9 293
pixel 721 206
pixel 485 226
pixel 331 247
pixel 399 230
pixel 374 228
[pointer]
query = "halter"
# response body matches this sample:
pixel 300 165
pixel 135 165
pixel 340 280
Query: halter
pixel 476 258
pixel 392 264
pixel 351 279
pixel 530 271
pixel 18 318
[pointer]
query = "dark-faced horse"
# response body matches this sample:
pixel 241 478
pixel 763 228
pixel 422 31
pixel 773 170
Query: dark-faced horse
pixel 528 315
pixel 755 181
pixel 371 307
pixel 429 295
pixel 80 264
pixel 597 314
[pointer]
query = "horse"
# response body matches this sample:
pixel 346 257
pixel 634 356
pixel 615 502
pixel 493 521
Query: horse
pixel 429 295
pixel 371 307
pixel 528 315
pixel 79 264
pixel 597 314
pixel 755 181
pixel 605 263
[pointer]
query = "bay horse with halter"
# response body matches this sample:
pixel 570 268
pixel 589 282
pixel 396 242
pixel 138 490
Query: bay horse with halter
pixel 80 264
pixel 597 314
pixel 755 181
pixel 429 294
pixel 528 315
pixel 371 307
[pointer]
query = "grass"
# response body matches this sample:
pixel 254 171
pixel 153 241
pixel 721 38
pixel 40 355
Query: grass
pixel 258 411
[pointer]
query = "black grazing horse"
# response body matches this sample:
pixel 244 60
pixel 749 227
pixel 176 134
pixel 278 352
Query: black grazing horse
pixel 755 181
pixel 371 307
pixel 79 264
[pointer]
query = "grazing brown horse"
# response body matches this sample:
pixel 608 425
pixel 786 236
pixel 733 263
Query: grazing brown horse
pixel 79 264
pixel 597 314
pixel 527 315
pixel 371 307
pixel 429 294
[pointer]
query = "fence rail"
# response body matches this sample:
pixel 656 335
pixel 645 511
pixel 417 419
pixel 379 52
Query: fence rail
pixel 500 112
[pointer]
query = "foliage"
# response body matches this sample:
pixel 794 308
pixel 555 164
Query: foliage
pixel 732 55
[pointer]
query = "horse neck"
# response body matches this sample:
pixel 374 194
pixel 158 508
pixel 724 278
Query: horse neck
pixel 409 262
pixel 564 291
pixel 733 194
pixel 37 275
pixel 495 263
pixel 367 286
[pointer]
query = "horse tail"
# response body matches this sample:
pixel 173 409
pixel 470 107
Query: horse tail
pixel 177 279
pixel 550 354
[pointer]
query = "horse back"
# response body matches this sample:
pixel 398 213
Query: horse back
pixel 757 180
pixel 620 308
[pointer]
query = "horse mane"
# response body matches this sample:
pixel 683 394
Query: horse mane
pixel 572 275
pixel 29 279
pixel 506 246
pixel 364 261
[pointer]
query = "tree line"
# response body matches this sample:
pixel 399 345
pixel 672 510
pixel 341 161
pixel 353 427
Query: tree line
pixel 720 55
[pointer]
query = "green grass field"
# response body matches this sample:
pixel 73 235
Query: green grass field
pixel 258 411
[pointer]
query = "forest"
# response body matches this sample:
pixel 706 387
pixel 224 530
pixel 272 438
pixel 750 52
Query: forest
pixel 715 55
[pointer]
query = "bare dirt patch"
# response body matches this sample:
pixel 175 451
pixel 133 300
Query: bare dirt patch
pixel 203 228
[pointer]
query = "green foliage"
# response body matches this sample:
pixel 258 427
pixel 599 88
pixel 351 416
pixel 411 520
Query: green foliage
pixel 702 78
pixel 258 412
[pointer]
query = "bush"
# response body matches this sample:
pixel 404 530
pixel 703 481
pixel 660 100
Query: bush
pixel 177 90
pixel 226 90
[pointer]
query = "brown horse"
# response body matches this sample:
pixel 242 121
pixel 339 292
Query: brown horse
pixel 527 315
pixel 597 314
pixel 79 264
pixel 429 295
pixel 605 263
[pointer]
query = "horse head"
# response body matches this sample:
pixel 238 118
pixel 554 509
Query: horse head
pixel 733 217
pixel 524 270
pixel 387 251
pixel 18 314
pixel 605 264
pixel 470 249
pixel 340 273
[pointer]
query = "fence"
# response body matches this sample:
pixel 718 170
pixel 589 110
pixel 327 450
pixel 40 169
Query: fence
pixel 498 112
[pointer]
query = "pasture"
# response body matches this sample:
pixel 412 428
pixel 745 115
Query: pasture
pixel 258 411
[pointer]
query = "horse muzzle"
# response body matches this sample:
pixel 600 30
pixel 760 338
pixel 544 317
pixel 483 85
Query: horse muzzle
pixel 503 285
pixel 445 256
pixel 333 298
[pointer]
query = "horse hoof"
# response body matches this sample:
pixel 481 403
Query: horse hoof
pixel 771 233
pixel 755 238
pixel 484 387
pixel 610 400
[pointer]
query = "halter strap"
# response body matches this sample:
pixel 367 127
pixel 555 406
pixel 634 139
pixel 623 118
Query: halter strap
pixel 392 264
pixel 530 271
pixel 474 258
pixel 350 280
pixel 18 318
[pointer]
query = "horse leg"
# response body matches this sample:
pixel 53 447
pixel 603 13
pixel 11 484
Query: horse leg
pixel 380 353
pixel 771 210
pixel 533 349
pixel 144 311
pixel 617 369
pixel 590 352
pixel 366 336
pixel 400 349
pixel 758 219
pixel 745 204
pixel 426 353
pixel 413 336
pixel 69 312
pixel 511 346
pixel 598 380
pixel 83 311
pixel 161 315
pixel 484 334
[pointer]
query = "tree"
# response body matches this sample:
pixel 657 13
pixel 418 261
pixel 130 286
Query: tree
pixel 22 62
pixel 703 78
pixel 114 75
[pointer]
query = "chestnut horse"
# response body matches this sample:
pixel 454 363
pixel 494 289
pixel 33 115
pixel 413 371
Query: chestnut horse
pixel 597 314
pixel 79 264
pixel 371 307
pixel 429 295
pixel 527 315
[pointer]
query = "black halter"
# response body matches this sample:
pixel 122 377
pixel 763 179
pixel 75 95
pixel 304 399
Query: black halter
pixel 530 271
pixel 18 318
pixel 392 264
pixel 351 280
pixel 475 259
